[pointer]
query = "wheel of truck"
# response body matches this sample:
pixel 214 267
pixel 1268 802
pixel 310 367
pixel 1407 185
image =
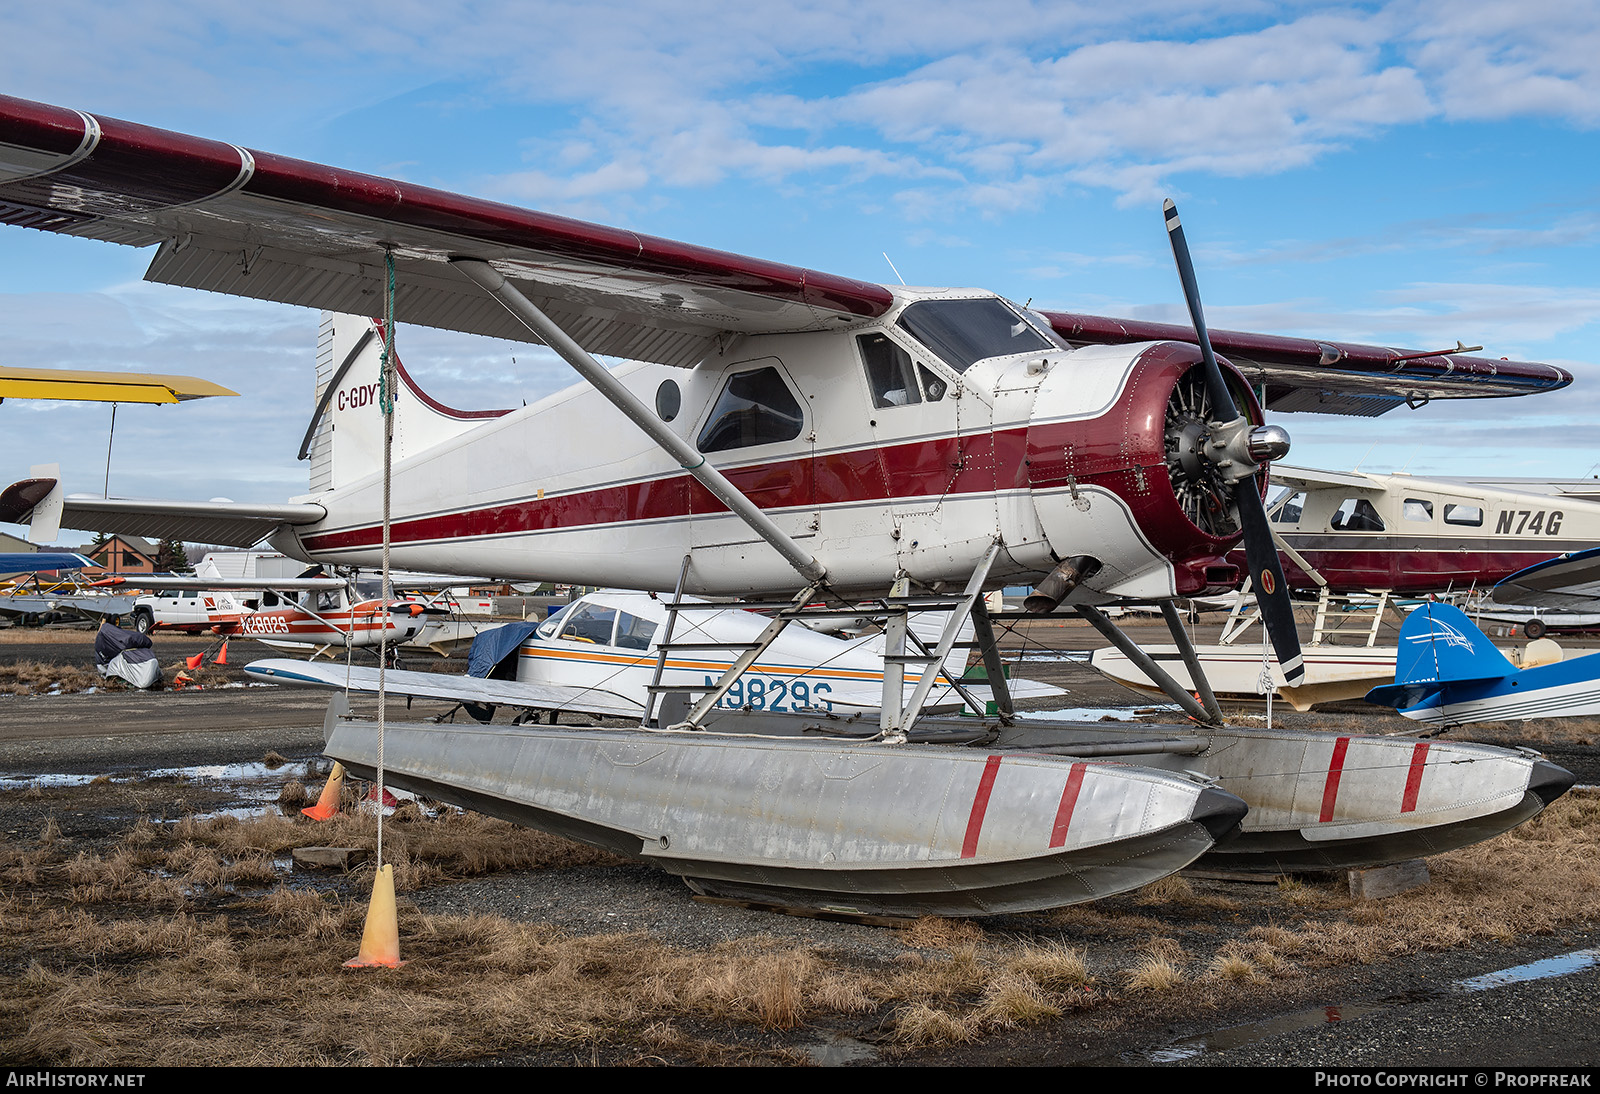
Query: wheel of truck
pixel 1534 628
pixel 143 620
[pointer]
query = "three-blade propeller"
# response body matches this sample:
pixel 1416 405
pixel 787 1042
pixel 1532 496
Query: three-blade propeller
pixel 1238 453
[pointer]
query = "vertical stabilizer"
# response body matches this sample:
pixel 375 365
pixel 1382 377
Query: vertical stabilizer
pixel 345 441
pixel 1439 645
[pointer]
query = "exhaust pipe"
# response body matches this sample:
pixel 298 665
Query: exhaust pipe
pixel 1050 592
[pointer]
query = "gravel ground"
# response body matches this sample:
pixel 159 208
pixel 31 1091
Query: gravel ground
pixel 1398 1012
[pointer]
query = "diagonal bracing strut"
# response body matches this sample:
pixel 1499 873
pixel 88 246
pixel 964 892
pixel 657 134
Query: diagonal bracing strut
pixel 689 458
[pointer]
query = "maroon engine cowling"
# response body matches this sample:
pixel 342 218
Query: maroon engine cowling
pixel 1144 450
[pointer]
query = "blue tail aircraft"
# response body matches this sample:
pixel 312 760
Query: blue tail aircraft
pixel 1447 672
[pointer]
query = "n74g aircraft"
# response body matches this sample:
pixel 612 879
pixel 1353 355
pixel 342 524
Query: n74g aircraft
pixel 793 430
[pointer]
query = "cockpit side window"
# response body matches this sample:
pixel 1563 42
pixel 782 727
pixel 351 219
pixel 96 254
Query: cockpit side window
pixel 1356 515
pixel 961 332
pixel 889 372
pixel 1290 508
pixel 755 407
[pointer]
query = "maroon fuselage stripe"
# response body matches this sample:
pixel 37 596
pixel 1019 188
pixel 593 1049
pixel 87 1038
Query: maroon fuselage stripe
pixel 1419 760
pixel 1122 451
pixel 980 805
pixel 1069 802
pixel 1330 789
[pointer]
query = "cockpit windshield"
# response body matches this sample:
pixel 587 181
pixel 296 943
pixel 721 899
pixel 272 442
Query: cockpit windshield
pixel 961 332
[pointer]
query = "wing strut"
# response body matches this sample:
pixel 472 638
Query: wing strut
pixel 495 284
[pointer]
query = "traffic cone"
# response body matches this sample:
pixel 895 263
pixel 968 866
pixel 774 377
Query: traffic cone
pixel 194 662
pixel 380 938
pixel 328 802
pixel 222 655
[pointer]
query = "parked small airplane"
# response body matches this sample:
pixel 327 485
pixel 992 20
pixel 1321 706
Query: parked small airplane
pixel 35 589
pixel 306 613
pixel 799 429
pixel 1449 673
pixel 1358 539
pixel 1410 536
pixel 601 654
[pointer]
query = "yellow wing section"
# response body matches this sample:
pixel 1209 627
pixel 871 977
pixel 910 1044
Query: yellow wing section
pixel 103 387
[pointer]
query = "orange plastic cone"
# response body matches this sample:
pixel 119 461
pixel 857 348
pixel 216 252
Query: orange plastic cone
pixel 380 939
pixel 328 801
pixel 222 655
pixel 194 662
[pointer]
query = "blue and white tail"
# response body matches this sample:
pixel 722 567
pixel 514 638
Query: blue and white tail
pixel 1439 645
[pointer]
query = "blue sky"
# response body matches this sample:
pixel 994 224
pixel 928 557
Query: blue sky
pixel 1408 173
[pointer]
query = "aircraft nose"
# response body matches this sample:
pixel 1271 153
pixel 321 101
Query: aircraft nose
pixel 1549 780
pixel 1219 812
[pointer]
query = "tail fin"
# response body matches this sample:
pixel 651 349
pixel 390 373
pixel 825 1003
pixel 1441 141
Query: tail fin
pixel 345 439
pixel 1439 645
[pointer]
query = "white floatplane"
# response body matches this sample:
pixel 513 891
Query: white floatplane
pixel 795 430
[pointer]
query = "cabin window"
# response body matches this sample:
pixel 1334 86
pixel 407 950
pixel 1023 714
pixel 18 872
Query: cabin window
pixel 1418 509
pixel 1356 515
pixel 1291 508
pixel 589 623
pixel 269 599
pixel 961 332
pixel 755 407
pixel 634 633
pixel 668 400
pixel 1469 515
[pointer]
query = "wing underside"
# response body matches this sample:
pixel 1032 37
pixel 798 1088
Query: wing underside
pixel 259 225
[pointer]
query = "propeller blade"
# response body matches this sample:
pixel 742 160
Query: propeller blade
pixel 1221 398
pixel 1266 572
pixel 1266 577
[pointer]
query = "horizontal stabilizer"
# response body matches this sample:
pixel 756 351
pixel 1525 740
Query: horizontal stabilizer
pixel 228 523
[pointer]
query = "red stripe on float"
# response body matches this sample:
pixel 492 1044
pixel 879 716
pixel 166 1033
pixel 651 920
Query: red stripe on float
pixel 1330 790
pixel 1419 757
pixel 1069 802
pixel 980 805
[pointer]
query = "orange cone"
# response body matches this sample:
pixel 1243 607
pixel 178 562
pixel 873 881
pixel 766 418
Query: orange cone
pixel 194 662
pixel 222 655
pixel 380 939
pixel 328 801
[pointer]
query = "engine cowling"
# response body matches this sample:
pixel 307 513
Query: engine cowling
pixel 1129 435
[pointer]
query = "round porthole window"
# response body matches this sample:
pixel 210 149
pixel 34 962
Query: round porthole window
pixel 668 400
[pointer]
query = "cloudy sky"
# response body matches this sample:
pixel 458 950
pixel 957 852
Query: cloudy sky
pixel 1408 173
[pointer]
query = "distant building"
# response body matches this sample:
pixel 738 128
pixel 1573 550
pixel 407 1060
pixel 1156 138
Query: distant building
pixel 122 555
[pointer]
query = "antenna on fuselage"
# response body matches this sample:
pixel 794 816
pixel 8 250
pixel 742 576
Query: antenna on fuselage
pixel 892 266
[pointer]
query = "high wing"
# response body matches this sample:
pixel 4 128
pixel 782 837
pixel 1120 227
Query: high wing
pixel 451 688
pixel 1570 581
pixel 1331 377
pixel 1310 478
pixel 228 523
pixel 21 562
pixel 260 225
pixel 224 584
pixel 103 387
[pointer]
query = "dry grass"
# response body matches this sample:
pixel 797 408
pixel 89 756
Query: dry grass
pixel 154 937
pixel 39 677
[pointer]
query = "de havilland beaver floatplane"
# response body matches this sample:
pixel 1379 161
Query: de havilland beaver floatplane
pixel 813 439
